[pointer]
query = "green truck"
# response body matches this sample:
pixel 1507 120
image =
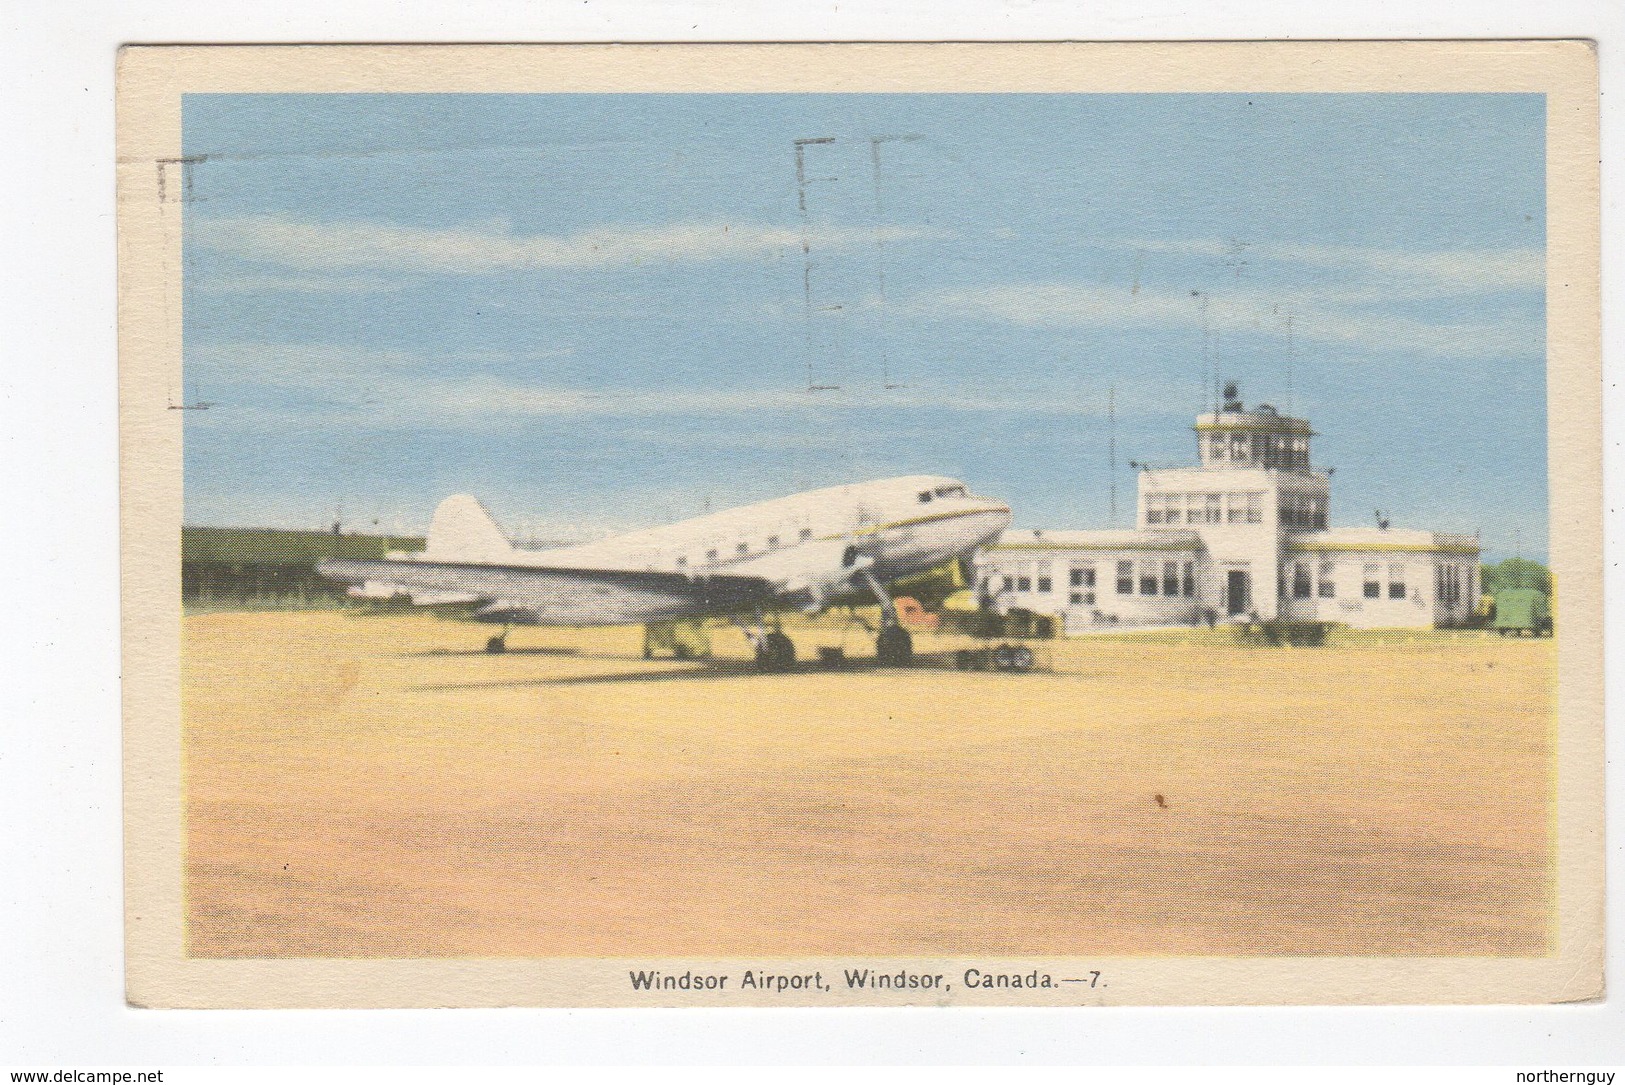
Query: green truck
pixel 1520 611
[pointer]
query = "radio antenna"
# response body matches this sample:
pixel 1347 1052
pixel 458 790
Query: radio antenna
pixel 1111 451
pixel 801 146
pixel 880 248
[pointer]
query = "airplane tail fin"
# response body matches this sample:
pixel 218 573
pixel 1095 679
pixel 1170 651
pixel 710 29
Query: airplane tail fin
pixel 463 531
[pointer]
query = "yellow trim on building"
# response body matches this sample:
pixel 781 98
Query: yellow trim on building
pixel 1295 426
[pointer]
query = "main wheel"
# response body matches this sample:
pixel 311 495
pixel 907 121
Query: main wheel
pixel 894 647
pixel 776 653
pixel 496 645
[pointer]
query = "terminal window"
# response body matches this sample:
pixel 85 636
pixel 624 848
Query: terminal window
pixel 1396 581
pixel 1373 582
pixel 1125 578
pixel 1450 584
pixel 1170 578
pixel 1244 508
pixel 1190 580
pixel 1328 580
pixel 1083 576
pixel 1148 579
pixel 1045 584
pixel 1300 581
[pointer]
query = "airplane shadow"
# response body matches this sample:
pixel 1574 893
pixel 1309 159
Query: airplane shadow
pixel 712 669
pixel 438 652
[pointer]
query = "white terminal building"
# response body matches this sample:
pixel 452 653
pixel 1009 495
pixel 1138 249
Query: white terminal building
pixel 1243 536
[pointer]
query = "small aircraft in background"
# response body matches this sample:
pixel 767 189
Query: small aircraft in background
pixel 805 552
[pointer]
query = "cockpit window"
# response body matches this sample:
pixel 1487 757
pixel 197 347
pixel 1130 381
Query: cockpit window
pixel 951 491
pixel 925 495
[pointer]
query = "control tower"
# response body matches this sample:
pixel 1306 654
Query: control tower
pixel 1254 485
pixel 1241 535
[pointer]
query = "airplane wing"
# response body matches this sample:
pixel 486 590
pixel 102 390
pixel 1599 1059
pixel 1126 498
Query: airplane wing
pixel 553 596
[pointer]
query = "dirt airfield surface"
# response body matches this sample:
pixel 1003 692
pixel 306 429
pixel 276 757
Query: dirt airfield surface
pixel 381 787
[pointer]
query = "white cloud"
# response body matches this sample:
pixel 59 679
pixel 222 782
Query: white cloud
pixel 359 246
pixel 1437 273
pixel 294 284
pixel 342 386
pixel 1331 316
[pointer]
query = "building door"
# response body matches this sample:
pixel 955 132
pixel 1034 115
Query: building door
pixel 1236 592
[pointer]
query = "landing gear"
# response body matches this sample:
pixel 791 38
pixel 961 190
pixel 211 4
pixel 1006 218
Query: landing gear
pixel 775 652
pixel 894 646
pixel 499 643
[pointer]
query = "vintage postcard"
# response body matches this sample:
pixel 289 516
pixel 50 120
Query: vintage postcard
pixel 883 525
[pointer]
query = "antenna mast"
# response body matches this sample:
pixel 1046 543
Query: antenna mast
pixel 1111 450
pixel 1208 364
pixel 801 146
pixel 880 247
pixel 1289 352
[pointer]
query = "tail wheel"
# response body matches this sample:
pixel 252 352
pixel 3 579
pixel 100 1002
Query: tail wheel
pixel 894 647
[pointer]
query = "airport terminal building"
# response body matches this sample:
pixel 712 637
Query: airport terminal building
pixel 1242 536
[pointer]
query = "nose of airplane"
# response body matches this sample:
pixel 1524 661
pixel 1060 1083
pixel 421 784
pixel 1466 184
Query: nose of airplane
pixel 997 517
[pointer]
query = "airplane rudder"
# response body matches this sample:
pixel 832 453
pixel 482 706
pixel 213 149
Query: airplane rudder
pixel 463 530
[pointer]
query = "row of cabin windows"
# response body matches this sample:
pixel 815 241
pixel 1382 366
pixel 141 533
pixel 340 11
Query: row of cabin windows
pixel 1246 508
pixel 1264 449
pixel 743 549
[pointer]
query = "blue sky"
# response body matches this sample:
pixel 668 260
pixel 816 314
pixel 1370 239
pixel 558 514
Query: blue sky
pixel 592 310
